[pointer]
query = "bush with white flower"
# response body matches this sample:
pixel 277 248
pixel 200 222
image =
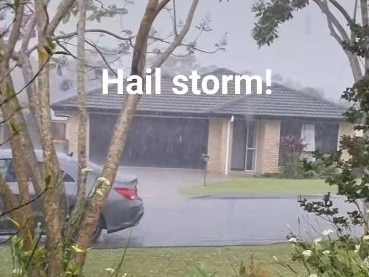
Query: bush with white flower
pixel 331 257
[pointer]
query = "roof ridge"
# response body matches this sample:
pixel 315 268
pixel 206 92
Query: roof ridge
pixel 308 95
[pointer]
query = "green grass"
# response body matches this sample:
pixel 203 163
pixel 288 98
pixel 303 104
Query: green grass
pixel 178 262
pixel 251 185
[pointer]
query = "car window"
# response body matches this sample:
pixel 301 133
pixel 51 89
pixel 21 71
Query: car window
pixel 67 177
pixel 4 167
pixel 11 175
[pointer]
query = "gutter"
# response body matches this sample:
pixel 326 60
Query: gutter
pixel 226 169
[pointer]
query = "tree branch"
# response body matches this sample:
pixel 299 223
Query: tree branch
pixel 28 35
pixel 332 18
pixel 178 40
pixel 14 33
pixel 334 25
pixel 102 56
pixel 62 10
pixel 161 6
pixel 342 11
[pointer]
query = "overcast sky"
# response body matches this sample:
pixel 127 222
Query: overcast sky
pixel 305 51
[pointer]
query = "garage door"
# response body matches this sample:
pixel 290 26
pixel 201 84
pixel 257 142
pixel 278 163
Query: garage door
pixel 153 142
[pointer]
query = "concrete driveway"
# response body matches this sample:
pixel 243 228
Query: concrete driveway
pixel 173 220
pixel 164 183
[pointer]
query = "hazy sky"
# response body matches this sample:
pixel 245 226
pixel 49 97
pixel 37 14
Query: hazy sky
pixel 305 51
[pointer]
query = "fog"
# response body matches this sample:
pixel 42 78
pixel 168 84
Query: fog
pixel 208 166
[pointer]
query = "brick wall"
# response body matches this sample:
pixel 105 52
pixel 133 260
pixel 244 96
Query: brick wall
pixel 268 146
pixel 217 144
pixel 72 133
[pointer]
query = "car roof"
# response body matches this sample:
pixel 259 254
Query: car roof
pixel 68 164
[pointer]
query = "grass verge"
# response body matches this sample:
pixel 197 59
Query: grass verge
pixel 178 262
pixel 249 185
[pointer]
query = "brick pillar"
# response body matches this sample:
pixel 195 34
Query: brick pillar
pixel 268 146
pixel 72 133
pixel 217 145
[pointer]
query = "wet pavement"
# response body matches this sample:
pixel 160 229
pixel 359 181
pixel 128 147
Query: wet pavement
pixel 217 222
pixel 174 220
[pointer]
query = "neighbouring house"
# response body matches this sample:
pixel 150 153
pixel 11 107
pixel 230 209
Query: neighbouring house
pixel 238 132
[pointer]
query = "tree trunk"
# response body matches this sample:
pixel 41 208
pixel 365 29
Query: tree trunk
pixel 23 217
pixel 54 198
pixel 82 123
pixel 365 23
pixel 91 216
pixel 124 120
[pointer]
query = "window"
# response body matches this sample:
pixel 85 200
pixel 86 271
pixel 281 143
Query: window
pixel 308 135
pixel 58 130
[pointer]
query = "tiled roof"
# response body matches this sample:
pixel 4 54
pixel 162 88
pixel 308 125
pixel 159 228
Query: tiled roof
pixel 282 102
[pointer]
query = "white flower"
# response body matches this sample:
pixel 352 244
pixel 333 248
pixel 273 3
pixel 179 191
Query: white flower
pixel 326 252
pixel 275 258
pixel 313 275
pixel 292 240
pixel 366 238
pixel 317 240
pixel 110 270
pixel 327 232
pixel 357 248
pixel 87 169
pixel 307 253
pixel 103 180
pixel 17 271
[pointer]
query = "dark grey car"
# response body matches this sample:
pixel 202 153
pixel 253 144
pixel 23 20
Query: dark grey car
pixel 123 208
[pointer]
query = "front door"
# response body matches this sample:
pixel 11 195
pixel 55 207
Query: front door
pixel 244 145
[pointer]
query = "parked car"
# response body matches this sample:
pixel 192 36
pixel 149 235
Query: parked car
pixel 123 208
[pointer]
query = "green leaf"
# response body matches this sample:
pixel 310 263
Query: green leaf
pixel 15 128
pixel 16 5
pixel 48 181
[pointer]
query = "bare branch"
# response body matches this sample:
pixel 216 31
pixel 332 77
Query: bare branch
pixel 364 12
pixel 102 56
pixel 332 18
pixel 73 34
pixel 342 11
pixel 161 6
pixel 28 34
pixel 175 18
pixel 62 10
pixel 178 40
pixel 355 14
pixel 15 32
pixel 334 25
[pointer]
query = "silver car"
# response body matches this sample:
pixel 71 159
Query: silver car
pixel 123 208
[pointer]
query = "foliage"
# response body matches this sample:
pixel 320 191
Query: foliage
pixel 291 149
pixel 271 14
pixel 344 255
pixel 330 257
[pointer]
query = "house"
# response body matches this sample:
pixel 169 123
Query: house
pixel 238 132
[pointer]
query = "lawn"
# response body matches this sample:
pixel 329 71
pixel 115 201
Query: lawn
pixel 178 262
pixel 252 185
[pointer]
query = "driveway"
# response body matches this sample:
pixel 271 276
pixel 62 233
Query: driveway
pixel 164 183
pixel 173 220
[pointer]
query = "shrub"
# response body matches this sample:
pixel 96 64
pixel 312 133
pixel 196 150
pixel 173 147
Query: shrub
pixel 330 257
